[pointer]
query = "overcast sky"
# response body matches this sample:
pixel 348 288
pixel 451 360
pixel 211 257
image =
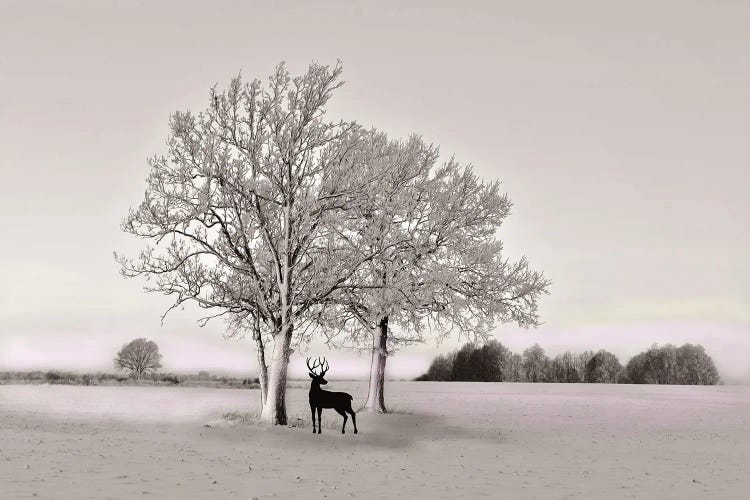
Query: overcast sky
pixel 620 132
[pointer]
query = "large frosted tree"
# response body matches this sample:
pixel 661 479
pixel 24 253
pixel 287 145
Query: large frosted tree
pixel 446 273
pixel 247 213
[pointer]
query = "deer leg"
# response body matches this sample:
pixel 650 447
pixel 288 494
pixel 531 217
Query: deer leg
pixel 312 410
pixel 354 418
pixel 320 411
pixel 343 414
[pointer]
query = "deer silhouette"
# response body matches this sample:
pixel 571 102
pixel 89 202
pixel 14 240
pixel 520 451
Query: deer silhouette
pixel 319 399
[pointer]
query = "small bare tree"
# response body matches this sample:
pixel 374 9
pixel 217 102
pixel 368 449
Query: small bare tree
pixel 139 356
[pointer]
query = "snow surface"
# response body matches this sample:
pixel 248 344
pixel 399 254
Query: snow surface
pixel 446 440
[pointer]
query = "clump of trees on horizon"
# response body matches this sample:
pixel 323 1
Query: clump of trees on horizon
pixel 493 362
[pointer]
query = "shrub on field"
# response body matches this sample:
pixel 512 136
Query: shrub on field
pixel 59 377
pixel 107 377
pixel 604 368
pixel 489 362
pixel 688 364
pixel 37 376
pixel 568 367
pixel 695 367
pixel 440 369
pixel 462 369
pixel 171 378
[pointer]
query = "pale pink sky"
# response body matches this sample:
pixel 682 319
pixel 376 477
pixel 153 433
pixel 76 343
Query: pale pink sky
pixel 619 131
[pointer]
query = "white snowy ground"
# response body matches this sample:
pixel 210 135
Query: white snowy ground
pixel 448 440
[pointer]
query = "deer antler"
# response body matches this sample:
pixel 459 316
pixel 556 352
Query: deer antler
pixel 323 370
pixel 313 367
pixel 318 364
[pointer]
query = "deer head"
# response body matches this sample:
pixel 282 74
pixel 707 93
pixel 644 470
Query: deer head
pixel 318 365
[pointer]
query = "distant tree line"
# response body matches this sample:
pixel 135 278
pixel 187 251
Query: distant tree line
pixel 57 377
pixel 493 362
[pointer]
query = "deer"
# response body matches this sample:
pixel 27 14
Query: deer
pixel 319 398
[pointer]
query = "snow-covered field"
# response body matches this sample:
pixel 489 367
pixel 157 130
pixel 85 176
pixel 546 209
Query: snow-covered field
pixel 447 440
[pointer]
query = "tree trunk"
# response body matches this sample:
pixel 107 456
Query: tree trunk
pixel 274 411
pixel 262 367
pixel 375 398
